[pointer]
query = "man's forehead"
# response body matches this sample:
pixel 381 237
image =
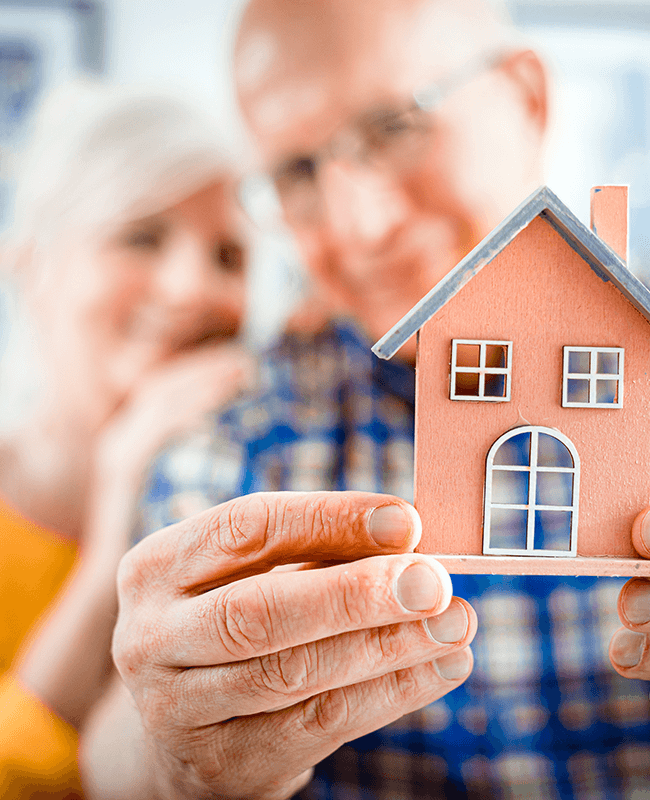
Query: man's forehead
pixel 324 67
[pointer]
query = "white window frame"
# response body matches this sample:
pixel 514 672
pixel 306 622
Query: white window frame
pixel 482 371
pixel 533 469
pixel 592 376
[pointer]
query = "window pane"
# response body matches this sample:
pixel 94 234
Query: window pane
pixel 468 355
pixel 495 385
pixel 607 363
pixel 508 528
pixel 552 530
pixel 515 451
pixel 510 487
pixel 496 356
pixel 467 384
pixel 578 362
pixel 577 391
pixel 552 453
pixel 554 489
pixel 607 391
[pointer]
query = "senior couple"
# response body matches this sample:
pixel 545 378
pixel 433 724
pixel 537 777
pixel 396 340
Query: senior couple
pixel 285 643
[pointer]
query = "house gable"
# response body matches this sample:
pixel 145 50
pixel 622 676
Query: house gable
pixel 547 206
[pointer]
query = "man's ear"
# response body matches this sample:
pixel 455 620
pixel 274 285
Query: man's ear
pixel 529 77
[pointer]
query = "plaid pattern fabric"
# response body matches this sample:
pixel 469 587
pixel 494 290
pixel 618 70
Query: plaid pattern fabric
pixel 543 716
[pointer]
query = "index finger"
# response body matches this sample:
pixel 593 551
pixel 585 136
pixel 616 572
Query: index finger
pixel 254 533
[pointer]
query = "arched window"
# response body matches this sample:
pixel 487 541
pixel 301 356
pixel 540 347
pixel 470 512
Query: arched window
pixel 531 494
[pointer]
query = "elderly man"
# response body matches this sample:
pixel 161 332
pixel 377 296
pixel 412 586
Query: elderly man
pixel 397 134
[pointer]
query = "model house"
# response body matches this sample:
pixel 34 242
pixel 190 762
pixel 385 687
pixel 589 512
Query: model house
pixel 533 397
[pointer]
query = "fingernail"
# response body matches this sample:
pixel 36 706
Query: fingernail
pixel 454 666
pixel 418 588
pixel 636 602
pixel 627 647
pixel 450 626
pixel 389 526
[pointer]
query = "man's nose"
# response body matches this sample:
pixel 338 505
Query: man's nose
pixel 362 205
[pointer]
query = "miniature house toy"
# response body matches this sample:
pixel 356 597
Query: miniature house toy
pixel 532 421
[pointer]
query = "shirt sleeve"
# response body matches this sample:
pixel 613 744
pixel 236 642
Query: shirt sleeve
pixel 38 751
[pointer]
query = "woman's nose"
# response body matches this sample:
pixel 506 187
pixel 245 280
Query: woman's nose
pixel 188 274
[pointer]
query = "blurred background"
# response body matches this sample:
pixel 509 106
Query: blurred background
pixel 597 51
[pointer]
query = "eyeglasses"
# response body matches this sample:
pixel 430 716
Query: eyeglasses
pixel 391 137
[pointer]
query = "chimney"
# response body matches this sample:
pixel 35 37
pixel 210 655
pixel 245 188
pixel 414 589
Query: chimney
pixel 609 217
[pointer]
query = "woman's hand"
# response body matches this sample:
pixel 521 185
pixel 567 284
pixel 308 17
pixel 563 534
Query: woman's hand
pixel 171 399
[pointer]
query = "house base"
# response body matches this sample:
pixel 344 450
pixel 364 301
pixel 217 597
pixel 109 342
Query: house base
pixel 533 565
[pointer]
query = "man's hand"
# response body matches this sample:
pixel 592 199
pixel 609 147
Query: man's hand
pixel 629 650
pixel 246 676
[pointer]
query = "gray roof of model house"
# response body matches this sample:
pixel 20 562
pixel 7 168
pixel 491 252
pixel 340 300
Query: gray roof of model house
pixel 543 203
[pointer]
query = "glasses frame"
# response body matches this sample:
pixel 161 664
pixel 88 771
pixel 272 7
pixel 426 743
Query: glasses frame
pixel 344 142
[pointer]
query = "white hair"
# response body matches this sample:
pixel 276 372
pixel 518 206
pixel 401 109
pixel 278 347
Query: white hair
pixel 101 153
pixel 98 155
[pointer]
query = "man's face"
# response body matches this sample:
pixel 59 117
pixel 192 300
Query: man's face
pixel 378 236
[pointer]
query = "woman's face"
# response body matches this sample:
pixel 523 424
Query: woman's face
pixel 114 308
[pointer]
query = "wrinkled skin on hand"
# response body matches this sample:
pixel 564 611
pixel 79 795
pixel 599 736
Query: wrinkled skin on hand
pixel 259 636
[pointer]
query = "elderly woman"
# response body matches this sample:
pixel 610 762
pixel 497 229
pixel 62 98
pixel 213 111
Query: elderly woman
pixel 126 260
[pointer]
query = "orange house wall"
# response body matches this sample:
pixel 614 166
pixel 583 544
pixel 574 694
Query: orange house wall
pixel 539 294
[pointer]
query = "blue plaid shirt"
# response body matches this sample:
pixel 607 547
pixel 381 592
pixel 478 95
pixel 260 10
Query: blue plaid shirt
pixel 543 714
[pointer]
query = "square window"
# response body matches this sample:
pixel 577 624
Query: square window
pixel 467 384
pixel 579 361
pixel 602 384
pixel 510 487
pixel 607 391
pixel 496 355
pixel 508 528
pixel 480 370
pixel 495 385
pixel 577 391
pixel 468 355
pixel 607 363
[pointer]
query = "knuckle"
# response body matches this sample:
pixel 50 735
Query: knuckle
pixel 131 575
pixel 384 645
pixel 353 598
pixel 146 566
pixel 404 687
pixel 135 647
pixel 326 715
pixel 241 526
pixel 286 673
pixel 245 621
pixel 328 521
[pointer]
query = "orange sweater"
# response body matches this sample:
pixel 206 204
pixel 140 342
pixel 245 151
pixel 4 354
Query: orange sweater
pixel 37 749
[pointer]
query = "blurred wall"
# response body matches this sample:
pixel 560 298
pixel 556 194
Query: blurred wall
pixel 176 41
